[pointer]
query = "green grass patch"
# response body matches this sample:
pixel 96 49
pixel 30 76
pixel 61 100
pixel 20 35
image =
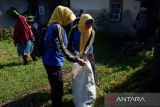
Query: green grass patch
pixel 27 86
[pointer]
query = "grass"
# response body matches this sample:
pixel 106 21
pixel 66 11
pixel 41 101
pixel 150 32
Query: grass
pixel 17 79
pixel 116 71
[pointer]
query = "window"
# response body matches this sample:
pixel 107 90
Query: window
pixel 41 10
pixel 115 10
pixel 41 7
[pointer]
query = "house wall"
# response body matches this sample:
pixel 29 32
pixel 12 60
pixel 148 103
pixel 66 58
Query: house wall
pixel 93 7
pixel 125 26
pixel 43 19
pixel 5 19
pixel 89 4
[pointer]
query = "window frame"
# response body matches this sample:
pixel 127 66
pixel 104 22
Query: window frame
pixel 112 9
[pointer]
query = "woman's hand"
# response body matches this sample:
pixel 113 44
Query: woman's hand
pixel 84 56
pixel 81 62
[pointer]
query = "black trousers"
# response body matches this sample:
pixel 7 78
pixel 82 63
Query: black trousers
pixel 56 82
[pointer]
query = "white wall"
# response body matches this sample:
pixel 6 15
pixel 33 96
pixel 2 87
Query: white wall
pixel 130 11
pixel 89 4
pixel 132 7
pixel 93 7
pixel 5 20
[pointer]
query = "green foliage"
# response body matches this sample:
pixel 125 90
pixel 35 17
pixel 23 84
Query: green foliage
pixel 7 33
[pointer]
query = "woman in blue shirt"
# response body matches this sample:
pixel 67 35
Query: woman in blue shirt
pixel 55 43
pixel 81 39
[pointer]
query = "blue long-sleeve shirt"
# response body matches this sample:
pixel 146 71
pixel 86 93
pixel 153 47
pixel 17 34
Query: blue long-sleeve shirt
pixel 56 42
pixel 74 41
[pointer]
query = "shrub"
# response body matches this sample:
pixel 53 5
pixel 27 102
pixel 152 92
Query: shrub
pixel 6 33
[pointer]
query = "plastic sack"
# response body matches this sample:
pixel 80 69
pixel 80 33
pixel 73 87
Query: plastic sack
pixel 83 85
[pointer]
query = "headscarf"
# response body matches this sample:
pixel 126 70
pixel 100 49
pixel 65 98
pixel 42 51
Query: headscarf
pixel 22 31
pixel 62 15
pixel 85 34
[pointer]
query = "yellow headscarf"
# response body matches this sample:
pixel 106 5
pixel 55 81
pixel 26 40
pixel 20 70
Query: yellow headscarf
pixel 62 15
pixel 85 34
